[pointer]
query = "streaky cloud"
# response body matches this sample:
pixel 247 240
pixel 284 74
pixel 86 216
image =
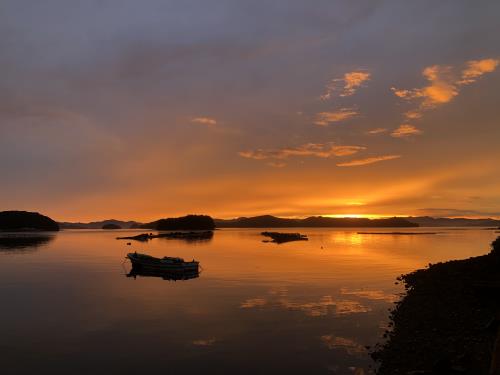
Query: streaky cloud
pixel 346 150
pixel 367 161
pixel 319 150
pixel 204 121
pixel 326 118
pixel 377 131
pixel 413 114
pixel 405 130
pixel 277 164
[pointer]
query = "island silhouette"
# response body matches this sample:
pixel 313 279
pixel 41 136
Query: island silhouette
pixel 111 226
pixel 24 221
pixel 188 222
pixel 269 221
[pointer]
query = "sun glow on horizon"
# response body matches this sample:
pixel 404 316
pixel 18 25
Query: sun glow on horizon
pixel 358 216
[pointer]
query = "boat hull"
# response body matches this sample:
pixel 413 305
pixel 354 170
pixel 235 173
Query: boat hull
pixel 155 264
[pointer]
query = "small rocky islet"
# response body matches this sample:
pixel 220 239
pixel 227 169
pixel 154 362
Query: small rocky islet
pixel 279 238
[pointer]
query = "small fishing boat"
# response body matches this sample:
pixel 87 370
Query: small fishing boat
pixel 173 264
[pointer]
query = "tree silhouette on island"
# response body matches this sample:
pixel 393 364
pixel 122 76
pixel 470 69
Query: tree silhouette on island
pixel 23 221
pixel 189 222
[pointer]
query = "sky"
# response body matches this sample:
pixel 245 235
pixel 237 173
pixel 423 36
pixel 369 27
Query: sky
pixel 145 109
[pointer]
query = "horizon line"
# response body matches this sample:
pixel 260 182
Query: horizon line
pixel 298 217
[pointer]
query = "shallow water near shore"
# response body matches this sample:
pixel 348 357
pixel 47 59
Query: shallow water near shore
pixel 299 307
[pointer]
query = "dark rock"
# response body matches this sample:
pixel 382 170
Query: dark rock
pixel 278 237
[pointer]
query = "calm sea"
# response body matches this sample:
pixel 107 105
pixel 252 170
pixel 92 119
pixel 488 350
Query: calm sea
pixel 68 307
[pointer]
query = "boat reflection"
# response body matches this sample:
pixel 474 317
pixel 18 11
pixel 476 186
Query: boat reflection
pixel 164 274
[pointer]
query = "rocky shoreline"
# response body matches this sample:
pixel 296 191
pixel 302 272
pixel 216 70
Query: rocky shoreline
pixel 448 322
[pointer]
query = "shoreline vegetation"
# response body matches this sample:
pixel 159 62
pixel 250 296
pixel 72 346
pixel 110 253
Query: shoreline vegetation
pixel 448 322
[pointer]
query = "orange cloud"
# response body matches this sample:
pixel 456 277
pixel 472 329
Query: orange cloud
pixel 353 80
pixel 205 121
pixel 444 84
pixel 440 90
pixel 325 118
pixel 349 84
pixel 405 130
pixel 476 68
pixel 277 164
pixel 376 159
pixel 309 149
pixel 413 114
pixel 346 150
pixel 377 131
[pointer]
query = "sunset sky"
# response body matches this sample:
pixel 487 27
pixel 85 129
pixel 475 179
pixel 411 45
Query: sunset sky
pixel 137 110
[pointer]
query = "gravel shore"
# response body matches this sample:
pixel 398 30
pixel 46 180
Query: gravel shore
pixel 448 322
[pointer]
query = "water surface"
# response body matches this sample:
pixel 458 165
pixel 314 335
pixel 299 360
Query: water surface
pixel 257 308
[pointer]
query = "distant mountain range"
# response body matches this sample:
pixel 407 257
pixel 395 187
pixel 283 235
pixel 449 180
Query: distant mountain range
pixel 269 221
pixel 427 221
pixel 189 222
pixel 100 224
